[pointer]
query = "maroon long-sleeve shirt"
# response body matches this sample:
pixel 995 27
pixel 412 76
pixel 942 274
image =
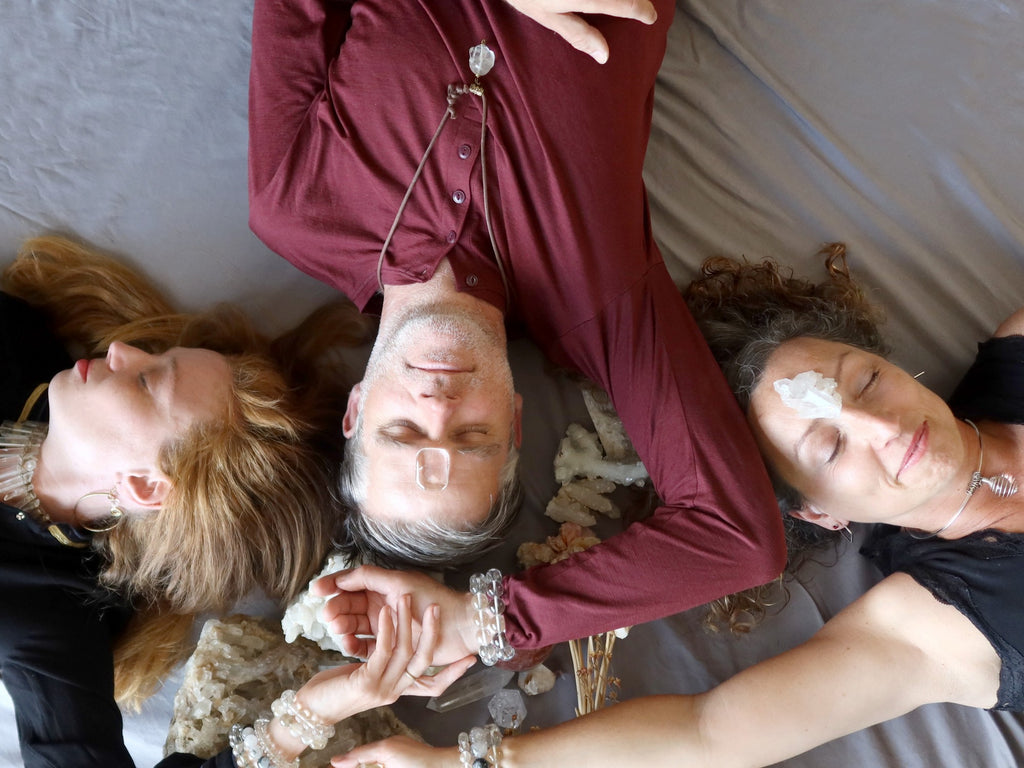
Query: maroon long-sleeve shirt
pixel 345 97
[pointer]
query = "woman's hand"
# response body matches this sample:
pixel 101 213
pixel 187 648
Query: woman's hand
pixel 395 667
pixel 357 597
pixel 399 752
pixel 563 18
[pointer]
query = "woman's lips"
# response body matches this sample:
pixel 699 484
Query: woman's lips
pixel 918 446
pixel 82 366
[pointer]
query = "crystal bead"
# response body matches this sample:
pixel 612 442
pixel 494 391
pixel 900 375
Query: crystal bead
pixel 481 763
pixel 488 655
pixel 494 575
pixel 477 583
pixel 479 741
pixel 481 59
pixel 480 601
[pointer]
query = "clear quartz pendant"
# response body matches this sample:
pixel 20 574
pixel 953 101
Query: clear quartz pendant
pixel 481 59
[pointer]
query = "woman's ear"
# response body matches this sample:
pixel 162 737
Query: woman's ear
pixel 351 417
pixel 144 491
pixel 811 514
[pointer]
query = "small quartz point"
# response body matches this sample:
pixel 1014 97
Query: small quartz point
pixel 536 680
pixel 481 59
pixel 507 708
pixel 470 688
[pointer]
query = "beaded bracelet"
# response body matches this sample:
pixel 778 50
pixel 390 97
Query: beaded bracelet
pixel 490 623
pixel 301 722
pixel 479 747
pixel 252 747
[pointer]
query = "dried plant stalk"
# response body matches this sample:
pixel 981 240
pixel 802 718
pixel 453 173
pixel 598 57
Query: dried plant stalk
pixel 595 687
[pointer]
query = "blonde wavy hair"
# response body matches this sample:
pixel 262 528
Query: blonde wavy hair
pixel 251 502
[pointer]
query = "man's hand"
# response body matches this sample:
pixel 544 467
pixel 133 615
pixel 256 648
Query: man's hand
pixel 395 668
pixel 357 596
pixel 562 17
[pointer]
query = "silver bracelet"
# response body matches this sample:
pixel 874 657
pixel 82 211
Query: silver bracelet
pixel 301 722
pixel 479 747
pixel 252 747
pixel 490 623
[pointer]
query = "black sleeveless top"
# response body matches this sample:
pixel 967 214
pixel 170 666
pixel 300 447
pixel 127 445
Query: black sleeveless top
pixel 981 575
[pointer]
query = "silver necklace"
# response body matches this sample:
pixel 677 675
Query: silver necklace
pixel 19 456
pixel 1002 485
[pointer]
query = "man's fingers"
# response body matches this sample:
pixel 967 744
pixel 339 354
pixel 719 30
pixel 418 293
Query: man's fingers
pixel 636 10
pixel 577 33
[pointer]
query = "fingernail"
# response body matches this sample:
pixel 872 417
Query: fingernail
pixel 435 611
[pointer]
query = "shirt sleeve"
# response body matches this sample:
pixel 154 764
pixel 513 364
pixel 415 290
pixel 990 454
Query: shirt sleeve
pixel 293 43
pixel 718 530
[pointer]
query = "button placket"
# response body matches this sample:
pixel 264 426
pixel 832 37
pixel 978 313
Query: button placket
pixel 458 174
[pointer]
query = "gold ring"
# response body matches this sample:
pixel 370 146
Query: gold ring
pixel 412 676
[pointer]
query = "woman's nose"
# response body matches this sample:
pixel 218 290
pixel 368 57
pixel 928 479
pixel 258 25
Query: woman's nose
pixel 873 424
pixel 121 355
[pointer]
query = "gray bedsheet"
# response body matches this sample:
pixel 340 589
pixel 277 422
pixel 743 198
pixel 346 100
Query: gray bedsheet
pixel 894 126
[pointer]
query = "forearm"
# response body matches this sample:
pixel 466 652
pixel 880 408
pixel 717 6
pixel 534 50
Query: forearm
pixel 293 44
pixel 652 731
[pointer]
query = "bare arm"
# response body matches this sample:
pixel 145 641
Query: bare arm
pixel 895 649
pixel 1012 326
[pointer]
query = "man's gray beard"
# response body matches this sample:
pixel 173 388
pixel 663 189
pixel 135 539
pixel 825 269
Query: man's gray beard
pixel 461 326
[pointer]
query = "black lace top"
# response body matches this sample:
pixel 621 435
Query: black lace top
pixel 981 575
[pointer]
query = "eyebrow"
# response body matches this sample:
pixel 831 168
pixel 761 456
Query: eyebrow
pixel 807 433
pixel 169 382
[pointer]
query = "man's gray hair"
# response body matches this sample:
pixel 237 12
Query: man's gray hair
pixel 424 542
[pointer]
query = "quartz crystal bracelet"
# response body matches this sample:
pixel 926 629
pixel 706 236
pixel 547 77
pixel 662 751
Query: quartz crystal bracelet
pixel 301 722
pixel 479 747
pixel 490 621
pixel 252 747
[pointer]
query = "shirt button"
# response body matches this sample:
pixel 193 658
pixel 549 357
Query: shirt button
pixel 450 237
pixel 472 280
pixel 465 151
pixel 459 196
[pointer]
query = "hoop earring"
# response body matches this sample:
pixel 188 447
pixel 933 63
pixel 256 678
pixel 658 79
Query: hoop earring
pixel 116 512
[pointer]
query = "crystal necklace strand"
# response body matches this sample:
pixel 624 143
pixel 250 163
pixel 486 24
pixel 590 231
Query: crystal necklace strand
pixel 1002 485
pixel 19 456
pixel 481 60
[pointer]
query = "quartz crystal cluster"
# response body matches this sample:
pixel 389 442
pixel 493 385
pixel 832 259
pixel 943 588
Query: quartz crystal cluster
pixel 589 465
pixel 302 616
pixel 240 666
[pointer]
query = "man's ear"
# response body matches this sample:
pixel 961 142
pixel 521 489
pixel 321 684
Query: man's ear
pixel 144 491
pixel 517 419
pixel 355 402
pixel 811 514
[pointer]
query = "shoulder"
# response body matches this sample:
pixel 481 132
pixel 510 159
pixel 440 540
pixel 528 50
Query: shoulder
pixel 954 657
pixel 1011 326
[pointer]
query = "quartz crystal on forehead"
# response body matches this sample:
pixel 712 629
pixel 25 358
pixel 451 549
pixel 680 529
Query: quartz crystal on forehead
pixel 811 395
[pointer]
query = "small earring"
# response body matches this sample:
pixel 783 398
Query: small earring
pixel 844 529
pixel 116 512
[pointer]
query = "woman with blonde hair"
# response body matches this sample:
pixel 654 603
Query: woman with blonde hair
pixel 181 462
